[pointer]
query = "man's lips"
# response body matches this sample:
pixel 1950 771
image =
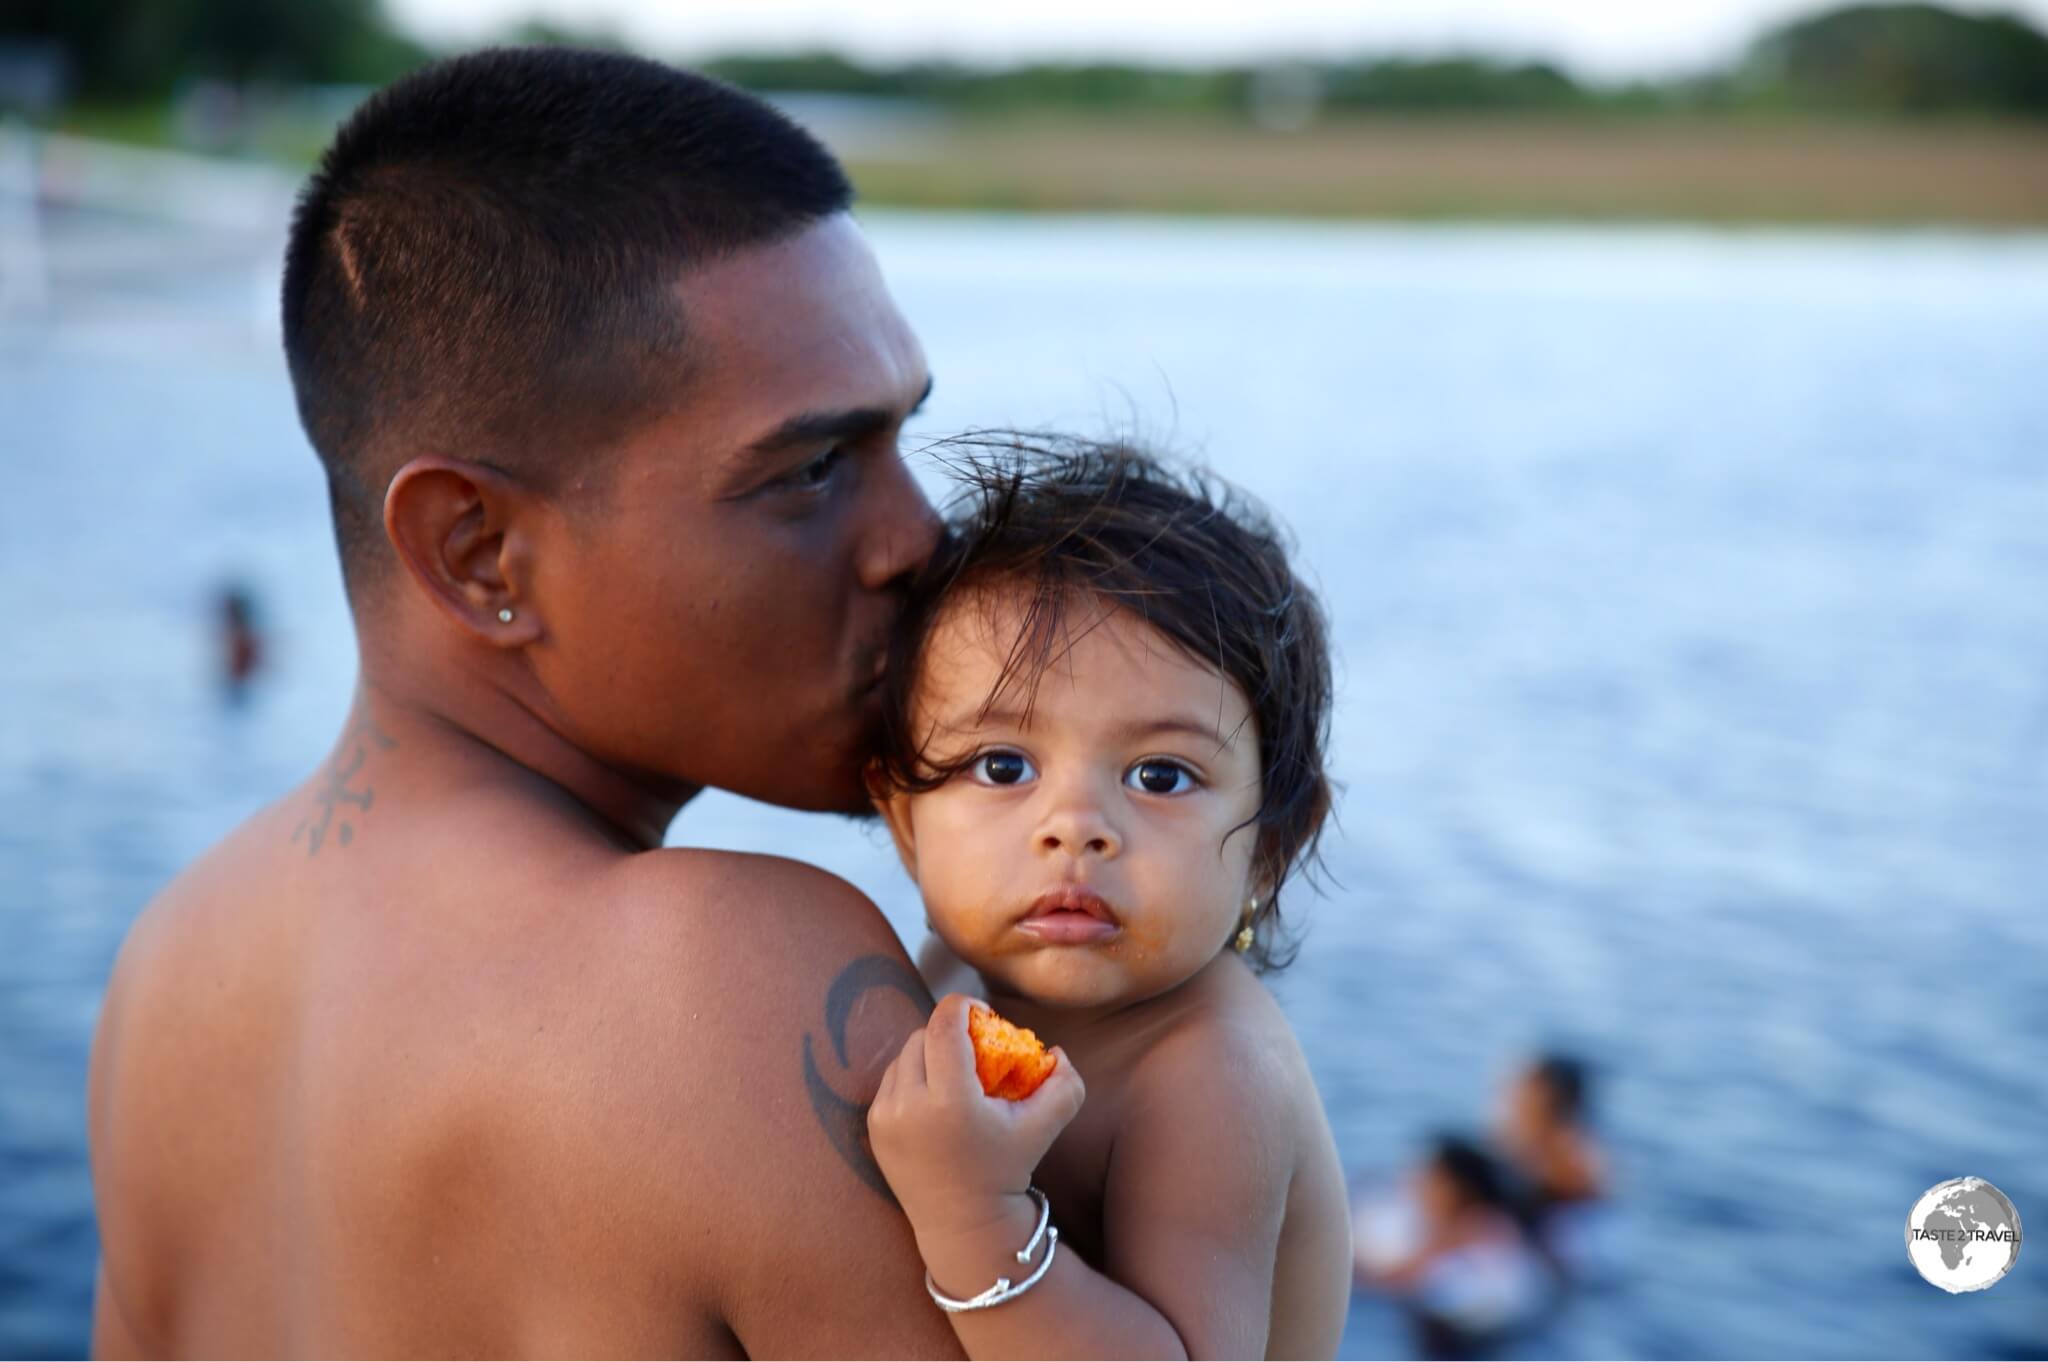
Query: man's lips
pixel 880 666
pixel 1070 915
pixel 869 685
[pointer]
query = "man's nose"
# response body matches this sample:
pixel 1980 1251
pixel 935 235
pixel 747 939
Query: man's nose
pixel 1075 824
pixel 906 528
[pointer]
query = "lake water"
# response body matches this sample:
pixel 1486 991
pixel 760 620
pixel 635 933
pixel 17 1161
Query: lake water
pixel 1693 702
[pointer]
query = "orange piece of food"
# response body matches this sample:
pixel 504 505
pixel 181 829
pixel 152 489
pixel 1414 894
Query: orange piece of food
pixel 1010 1061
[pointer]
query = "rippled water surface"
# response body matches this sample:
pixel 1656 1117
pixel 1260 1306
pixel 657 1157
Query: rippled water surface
pixel 1693 706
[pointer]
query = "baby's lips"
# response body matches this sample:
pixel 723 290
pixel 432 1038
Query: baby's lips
pixel 1073 898
pixel 1010 1061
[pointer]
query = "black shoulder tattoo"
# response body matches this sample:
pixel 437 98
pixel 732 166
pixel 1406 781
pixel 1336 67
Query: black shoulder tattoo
pixel 845 1123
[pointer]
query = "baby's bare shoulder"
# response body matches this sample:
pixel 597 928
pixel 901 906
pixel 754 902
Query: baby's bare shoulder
pixel 1226 1047
pixel 1217 1097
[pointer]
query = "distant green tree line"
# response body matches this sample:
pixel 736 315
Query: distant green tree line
pixel 135 50
pixel 1905 58
pixel 1396 83
pixel 1891 58
pixel 1900 58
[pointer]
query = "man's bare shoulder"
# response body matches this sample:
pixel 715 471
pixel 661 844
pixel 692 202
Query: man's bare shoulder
pixel 694 964
pixel 738 1014
pixel 747 973
pixel 203 912
pixel 760 951
pixel 721 890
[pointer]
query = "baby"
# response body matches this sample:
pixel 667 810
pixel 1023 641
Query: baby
pixel 1105 758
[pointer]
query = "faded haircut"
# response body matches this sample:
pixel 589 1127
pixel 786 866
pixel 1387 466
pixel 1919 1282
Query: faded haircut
pixel 1066 521
pixel 484 261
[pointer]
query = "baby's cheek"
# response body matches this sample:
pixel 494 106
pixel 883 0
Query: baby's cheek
pixel 1144 938
pixel 1165 950
pixel 960 916
pixel 965 938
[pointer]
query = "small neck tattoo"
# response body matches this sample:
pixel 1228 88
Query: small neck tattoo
pixel 339 789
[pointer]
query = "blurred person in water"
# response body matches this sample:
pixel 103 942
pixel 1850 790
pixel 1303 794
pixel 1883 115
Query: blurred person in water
pixel 241 642
pixel 1450 1246
pixel 1543 1131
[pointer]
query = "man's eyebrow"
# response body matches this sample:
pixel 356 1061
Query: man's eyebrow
pixel 830 427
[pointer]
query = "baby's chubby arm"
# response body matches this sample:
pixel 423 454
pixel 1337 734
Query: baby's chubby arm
pixel 1197 1187
pixel 959 1162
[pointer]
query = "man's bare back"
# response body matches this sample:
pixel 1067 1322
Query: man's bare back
pixel 442 1052
pixel 469 1079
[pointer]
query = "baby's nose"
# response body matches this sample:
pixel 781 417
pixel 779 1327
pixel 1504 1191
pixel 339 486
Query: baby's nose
pixel 1078 830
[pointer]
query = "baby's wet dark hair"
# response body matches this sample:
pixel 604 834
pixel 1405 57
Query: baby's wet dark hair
pixel 1063 521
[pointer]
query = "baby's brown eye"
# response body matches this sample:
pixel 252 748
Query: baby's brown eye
pixel 1160 777
pixel 1001 768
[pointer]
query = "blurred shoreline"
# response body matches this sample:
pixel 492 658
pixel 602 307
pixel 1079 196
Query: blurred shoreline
pixel 1728 169
pixel 1887 113
pixel 1735 170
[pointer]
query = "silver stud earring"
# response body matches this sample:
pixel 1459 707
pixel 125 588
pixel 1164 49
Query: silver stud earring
pixel 505 615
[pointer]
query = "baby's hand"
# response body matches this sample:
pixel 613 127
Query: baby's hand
pixel 953 1154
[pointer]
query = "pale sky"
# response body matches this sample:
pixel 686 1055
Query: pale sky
pixel 1605 39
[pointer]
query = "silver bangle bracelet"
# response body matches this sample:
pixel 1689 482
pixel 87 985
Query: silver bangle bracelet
pixel 1003 1290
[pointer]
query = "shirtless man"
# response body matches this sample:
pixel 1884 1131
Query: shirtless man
pixel 442 1053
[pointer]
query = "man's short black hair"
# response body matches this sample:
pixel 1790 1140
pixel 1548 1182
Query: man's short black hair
pixel 483 261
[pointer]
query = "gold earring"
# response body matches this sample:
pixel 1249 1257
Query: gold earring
pixel 1244 933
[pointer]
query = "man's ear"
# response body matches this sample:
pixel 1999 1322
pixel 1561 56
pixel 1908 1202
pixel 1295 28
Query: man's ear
pixel 455 525
pixel 894 806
